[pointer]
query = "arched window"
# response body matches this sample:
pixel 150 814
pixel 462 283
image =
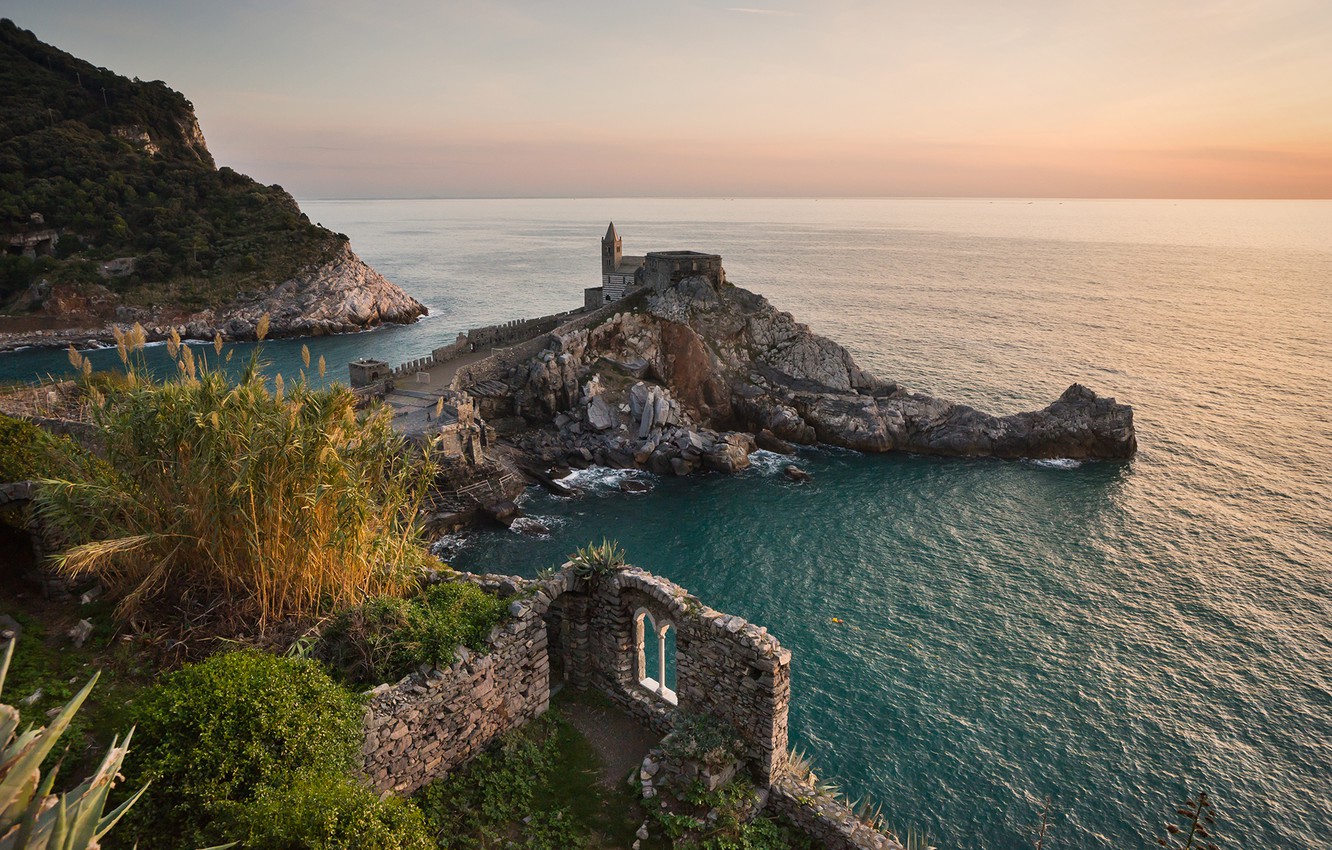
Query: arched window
pixel 656 656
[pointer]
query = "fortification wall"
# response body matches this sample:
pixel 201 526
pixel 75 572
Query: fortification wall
pixel 496 367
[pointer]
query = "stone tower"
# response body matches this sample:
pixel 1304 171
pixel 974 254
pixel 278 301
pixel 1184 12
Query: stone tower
pixel 611 250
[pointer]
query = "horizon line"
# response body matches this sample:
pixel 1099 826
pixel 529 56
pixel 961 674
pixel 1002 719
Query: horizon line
pixel 801 198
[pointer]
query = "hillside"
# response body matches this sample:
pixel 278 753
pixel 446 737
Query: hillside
pixel 111 209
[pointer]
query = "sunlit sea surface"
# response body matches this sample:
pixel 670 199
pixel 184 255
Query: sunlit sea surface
pixel 1112 635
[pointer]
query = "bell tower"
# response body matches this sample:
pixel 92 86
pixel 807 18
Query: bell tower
pixel 611 250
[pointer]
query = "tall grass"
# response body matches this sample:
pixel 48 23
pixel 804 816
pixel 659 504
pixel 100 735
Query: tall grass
pixel 281 500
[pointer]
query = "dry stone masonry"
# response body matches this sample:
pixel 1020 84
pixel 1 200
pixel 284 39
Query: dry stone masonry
pixel 601 631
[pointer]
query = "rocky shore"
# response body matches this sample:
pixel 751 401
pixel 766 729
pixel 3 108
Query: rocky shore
pixel 342 294
pixel 698 375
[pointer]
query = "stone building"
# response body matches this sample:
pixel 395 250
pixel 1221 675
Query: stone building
pixel 621 274
pixel 663 269
pixel 617 270
pixel 463 435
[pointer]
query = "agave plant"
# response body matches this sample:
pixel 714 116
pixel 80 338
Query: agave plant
pixel 31 817
pixel 597 560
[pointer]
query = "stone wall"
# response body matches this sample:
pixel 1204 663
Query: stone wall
pixel 825 818
pixel 725 667
pixel 429 724
pixel 585 632
pixel 497 366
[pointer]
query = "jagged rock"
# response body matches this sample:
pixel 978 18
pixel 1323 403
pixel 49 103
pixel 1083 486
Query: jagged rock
pixel 795 473
pixel 681 467
pixel 770 442
pixel 726 360
pixel 600 415
pixel 504 512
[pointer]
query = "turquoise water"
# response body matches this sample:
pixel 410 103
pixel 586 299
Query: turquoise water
pixel 1115 635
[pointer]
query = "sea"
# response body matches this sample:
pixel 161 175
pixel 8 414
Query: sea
pixel 976 641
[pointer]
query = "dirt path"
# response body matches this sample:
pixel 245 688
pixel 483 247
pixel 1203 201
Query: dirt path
pixel 619 740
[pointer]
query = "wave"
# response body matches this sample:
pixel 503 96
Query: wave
pixel 596 479
pixel 449 545
pixel 770 463
pixel 1056 463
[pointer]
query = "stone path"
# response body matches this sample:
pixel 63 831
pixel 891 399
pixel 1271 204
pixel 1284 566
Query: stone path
pixel 619 740
pixel 411 400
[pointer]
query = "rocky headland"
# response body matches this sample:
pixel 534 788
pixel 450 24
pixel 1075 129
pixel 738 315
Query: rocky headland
pixel 698 374
pixel 115 213
pixel 340 295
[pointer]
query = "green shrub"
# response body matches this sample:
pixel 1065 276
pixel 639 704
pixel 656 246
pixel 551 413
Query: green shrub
pixel 476 807
pixel 325 812
pixel 385 638
pixel 227 728
pixel 702 738
pixel 28 452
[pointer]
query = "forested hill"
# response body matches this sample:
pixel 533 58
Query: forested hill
pixel 108 191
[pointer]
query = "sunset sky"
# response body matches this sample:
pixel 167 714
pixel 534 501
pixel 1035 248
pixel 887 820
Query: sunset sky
pixel 482 98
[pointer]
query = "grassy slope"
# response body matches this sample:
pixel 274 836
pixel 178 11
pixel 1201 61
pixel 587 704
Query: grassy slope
pixel 200 234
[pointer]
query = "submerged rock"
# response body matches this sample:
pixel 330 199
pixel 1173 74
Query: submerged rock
pixel 795 473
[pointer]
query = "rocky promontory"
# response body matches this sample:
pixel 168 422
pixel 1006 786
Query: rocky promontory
pixel 700 373
pixel 116 213
pixel 340 295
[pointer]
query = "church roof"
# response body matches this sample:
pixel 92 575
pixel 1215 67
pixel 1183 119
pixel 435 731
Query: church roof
pixel 611 235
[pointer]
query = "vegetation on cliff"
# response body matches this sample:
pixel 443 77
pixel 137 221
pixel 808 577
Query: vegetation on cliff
pixel 273 501
pixel 120 169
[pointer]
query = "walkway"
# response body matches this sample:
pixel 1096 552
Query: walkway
pixel 412 400
pixel 619 740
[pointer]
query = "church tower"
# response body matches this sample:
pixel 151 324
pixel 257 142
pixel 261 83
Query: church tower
pixel 611 250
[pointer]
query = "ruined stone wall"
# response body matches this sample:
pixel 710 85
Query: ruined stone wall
pixel 825 818
pixel 661 269
pixel 584 631
pixel 725 667
pixel 429 724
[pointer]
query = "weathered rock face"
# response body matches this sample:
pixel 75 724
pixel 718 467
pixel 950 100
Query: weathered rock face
pixel 728 361
pixel 340 295
pixel 343 294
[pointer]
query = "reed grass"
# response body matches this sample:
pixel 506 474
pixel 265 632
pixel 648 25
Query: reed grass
pixel 283 501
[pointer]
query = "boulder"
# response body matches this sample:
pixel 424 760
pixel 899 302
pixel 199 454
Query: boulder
pixel 795 473
pixel 770 442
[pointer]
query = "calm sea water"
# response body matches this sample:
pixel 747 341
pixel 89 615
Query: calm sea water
pixel 1113 635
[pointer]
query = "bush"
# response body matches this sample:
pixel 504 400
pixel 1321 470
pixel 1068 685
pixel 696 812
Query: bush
pixel 324 812
pixel 223 730
pixel 702 738
pixel 280 501
pixel 478 806
pixel 385 638
pixel 28 452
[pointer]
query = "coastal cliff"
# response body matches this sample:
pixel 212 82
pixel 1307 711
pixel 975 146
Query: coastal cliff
pixel 699 373
pixel 112 211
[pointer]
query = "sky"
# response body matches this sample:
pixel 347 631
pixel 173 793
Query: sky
pixel 836 98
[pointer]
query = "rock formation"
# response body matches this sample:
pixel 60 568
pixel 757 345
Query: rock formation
pixel 340 295
pixel 682 381
pixel 118 213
